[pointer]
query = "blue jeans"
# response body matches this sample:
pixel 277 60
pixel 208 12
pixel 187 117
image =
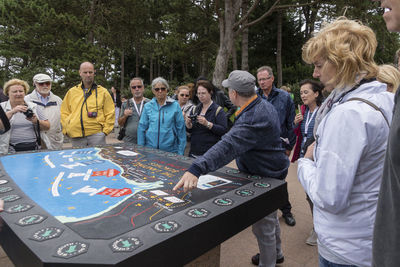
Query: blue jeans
pixel 325 263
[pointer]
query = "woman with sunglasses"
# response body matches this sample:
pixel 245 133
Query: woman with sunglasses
pixel 184 101
pixel 207 122
pixel 161 124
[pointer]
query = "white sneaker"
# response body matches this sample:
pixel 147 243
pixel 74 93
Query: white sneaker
pixel 312 239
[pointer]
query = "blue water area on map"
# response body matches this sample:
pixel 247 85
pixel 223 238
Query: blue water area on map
pixel 61 182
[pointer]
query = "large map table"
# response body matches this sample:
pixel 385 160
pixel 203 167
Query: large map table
pixel 114 206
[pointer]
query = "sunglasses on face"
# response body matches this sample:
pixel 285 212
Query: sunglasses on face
pixel 182 95
pixel 136 86
pixel 160 88
pixel 44 83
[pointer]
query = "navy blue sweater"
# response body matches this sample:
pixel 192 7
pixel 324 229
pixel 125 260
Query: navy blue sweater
pixel 254 141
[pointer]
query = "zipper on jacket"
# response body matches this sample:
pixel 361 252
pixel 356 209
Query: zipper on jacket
pixel 159 121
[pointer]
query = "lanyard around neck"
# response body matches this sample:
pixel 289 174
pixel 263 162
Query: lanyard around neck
pixel 309 119
pixel 139 111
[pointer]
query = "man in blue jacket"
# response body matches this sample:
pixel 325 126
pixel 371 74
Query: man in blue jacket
pixel 254 141
pixel 283 103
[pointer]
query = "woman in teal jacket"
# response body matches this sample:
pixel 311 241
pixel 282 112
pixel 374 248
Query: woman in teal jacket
pixel 161 124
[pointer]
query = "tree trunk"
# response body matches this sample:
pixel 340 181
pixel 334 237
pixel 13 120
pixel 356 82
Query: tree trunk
pixel 245 38
pixel 279 49
pixel 6 68
pixel 91 22
pixel 226 41
pixel 234 58
pixel 158 67
pixel 171 70
pixel 151 68
pixel 137 60
pixel 122 70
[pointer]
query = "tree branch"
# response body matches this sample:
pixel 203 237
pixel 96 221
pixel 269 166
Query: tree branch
pixel 273 8
pixel 266 14
pixel 253 7
pixel 298 5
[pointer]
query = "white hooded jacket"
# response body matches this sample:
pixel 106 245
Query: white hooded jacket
pixel 343 182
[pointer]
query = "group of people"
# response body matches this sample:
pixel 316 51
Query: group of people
pixel 347 145
pixel 347 150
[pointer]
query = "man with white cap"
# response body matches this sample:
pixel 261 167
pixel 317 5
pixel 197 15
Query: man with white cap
pixel 254 141
pixel 50 105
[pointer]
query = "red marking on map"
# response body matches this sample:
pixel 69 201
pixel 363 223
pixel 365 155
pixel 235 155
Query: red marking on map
pixel 108 173
pixel 113 192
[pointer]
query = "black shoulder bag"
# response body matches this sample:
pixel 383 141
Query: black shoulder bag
pixel 121 133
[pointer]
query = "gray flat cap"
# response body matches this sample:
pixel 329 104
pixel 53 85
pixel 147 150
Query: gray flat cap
pixel 240 81
pixel 41 78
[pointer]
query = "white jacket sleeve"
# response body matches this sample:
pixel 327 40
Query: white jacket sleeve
pixel 329 180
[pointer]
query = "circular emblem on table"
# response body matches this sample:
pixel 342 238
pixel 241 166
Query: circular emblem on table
pixel 31 219
pixel 71 249
pixel 262 184
pixel 46 234
pixel 198 213
pixel 126 244
pixel 3 182
pixel 166 227
pixel 244 192
pixel 183 158
pixel 5 189
pixel 254 177
pixel 223 201
pixel 232 171
pixel 10 198
pixel 19 208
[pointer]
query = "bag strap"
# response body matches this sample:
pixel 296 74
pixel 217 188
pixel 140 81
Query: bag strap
pixel 218 110
pixel 372 105
pixel 37 133
pixel 128 105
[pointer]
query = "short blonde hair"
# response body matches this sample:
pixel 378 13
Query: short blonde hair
pixel 348 45
pixel 12 82
pixel 182 87
pixel 390 75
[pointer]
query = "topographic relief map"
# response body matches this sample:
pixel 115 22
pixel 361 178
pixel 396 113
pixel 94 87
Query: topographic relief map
pixel 105 192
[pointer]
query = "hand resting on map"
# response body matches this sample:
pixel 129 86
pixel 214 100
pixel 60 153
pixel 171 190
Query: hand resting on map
pixel 188 182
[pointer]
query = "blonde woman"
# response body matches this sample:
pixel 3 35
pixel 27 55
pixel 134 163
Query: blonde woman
pixel 342 171
pixel 389 75
pixel 25 119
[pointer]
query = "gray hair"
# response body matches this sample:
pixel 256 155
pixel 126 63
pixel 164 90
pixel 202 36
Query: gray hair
pixel 138 79
pixel 265 68
pixel 160 80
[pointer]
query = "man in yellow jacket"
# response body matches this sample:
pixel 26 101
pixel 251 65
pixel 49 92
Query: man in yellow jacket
pixel 87 111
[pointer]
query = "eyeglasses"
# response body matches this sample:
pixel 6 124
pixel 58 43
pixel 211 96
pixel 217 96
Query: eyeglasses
pixel 182 95
pixel 161 88
pixel 136 86
pixel 44 83
pixel 202 93
pixel 264 79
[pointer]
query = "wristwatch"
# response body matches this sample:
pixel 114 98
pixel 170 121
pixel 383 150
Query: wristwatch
pixel 208 125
